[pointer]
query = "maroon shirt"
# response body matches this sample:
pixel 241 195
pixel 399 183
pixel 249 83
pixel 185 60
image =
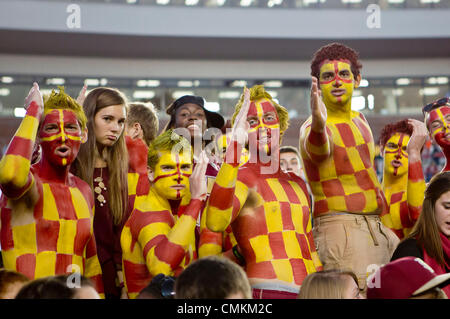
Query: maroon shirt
pixel 107 237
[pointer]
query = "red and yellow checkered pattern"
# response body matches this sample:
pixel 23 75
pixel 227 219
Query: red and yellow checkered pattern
pixel 56 238
pixel 405 201
pixel 339 166
pixel 50 232
pixel 138 182
pixel 214 243
pixel 156 239
pixel 275 237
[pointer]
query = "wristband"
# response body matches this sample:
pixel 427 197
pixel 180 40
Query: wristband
pixel 238 256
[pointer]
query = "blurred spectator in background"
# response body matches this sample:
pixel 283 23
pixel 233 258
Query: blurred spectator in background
pixel 330 284
pixel 213 277
pixel 290 161
pixel 10 283
pixel 70 286
pixel 161 287
pixel 437 120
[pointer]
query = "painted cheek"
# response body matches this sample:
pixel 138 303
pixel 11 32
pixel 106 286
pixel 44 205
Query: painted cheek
pixel 439 115
pixel 441 139
pixel 253 112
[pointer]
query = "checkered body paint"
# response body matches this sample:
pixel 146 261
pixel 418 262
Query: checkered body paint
pixel 275 238
pixel 404 197
pixel 49 232
pixel 57 232
pixel 157 238
pixel 339 165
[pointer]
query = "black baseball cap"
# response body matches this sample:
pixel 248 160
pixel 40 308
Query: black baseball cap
pixel 213 119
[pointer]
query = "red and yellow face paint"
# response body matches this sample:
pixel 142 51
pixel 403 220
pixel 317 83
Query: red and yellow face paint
pixel 264 132
pixel 336 82
pixel 395 155
pixel 60 136
pixel 171 175
pixel 438 123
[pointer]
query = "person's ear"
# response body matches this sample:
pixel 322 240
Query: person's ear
pixel 150 174
pixel 84 136
pixel 357 81
pixel 135 131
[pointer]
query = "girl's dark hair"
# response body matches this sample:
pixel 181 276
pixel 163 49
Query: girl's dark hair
pixel 426 230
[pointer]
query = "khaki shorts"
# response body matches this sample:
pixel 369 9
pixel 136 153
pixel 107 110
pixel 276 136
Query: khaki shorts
pixel 359 243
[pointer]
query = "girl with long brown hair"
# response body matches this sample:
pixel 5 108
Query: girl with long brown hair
pixel 429 239
pixel 103 163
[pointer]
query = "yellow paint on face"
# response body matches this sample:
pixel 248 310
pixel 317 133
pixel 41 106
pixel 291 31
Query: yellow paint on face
pixel 262 122
pixel 396 155
pixel 62 134
pixel 172 173
pixel 443 127
pixel 337 83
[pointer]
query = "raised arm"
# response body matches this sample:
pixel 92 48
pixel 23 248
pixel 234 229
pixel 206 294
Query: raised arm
pixel 224 204
pixel 15 176
pixel 314 137
pixel 215 243
pixel 416 181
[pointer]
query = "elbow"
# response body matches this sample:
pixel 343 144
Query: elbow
pixel 217 224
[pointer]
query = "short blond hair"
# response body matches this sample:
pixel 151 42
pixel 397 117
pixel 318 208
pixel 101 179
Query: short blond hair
pixel 326 284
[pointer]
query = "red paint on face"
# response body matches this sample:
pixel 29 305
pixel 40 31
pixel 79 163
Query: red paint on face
pixel 442 131
pixel 264 124
pixel 60 137
pixel 336 78
pixel 433 115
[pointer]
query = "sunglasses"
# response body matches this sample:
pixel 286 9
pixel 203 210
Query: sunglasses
pixel 165 284
pixel 441 102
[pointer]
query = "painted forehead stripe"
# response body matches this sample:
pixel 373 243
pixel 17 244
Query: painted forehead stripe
pixel 178 172
pixel 336 75
pixel 333 61
pixel 399 144
pixel 439 115
pixel 64 116
pixel 262 107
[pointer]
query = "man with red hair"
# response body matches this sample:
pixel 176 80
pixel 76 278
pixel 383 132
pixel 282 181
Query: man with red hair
pixel 403 179
pixel 338 152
